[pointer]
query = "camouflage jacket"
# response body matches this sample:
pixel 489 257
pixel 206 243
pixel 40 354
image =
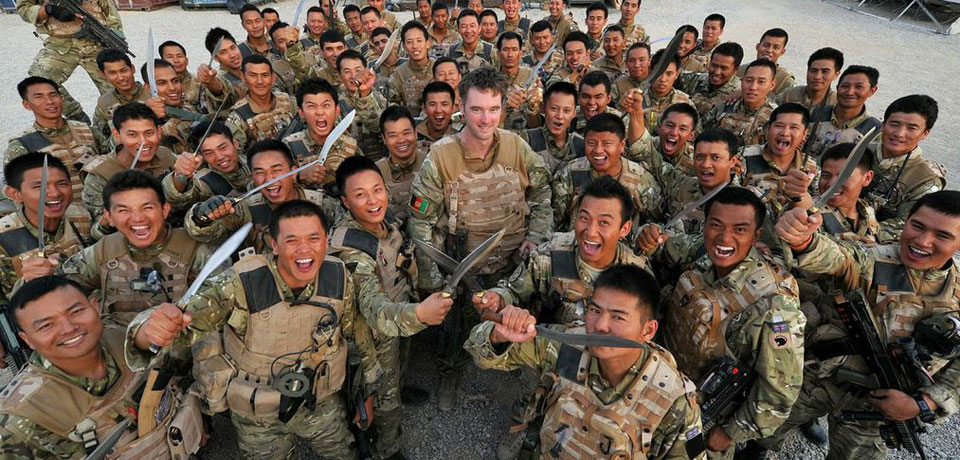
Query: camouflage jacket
pixel 748 125
pixel 759 170
pixel 206 183
pixel 643 151
pixel 831 131
pixel 703 95
pixel 543 143
pixel 562 25
pixel 633 33
pixel 919 176
pixel 699 58
pixel 366 126
pixel 654 106
pixel 249 126
pixel 798 94
pixel 556 60
pixel 484 54
pixel 407 82
pixel 19 240
pixel 59 32
pixel 305 150
pixel 191 88
pixel 613 69
pixel 108 102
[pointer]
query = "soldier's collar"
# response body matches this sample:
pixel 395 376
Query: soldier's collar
pixel 155 248
pixel 738 276
pixel 63 128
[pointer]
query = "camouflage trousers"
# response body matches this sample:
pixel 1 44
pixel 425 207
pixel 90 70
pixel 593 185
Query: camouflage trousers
pixel 386 419
pixel 324 430
pixel 57 61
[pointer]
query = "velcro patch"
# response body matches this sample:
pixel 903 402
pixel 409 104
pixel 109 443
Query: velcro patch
pixel 781 340
pixel 419 204
pixel 695 444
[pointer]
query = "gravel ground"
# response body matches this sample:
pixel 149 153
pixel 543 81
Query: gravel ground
pixel 909 60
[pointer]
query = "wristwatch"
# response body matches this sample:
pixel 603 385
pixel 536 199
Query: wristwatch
pixel 926 415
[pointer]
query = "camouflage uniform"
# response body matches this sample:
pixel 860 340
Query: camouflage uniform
pixel 407 82
pixel 18 241
pixel 234 89
pixel 613 69
pixel 648 152
pixel 522 27
pixel 798 94
pixel 484 54
pixel 752 315
pixel 286 76
pixel 679 186
pixel 245 328
pixel 249 126
pixel 366 125
pixel 919 177
pixel 698 59
pixel 399 182
pixel 653 421
pixel 782 80
pixel 191 88
pixel 541 141
pixel 306 65
pixel 47 413
pixel 555 61
pixel 653 106
pixel 424 140
pixel 108 102
pixel 621 86
pixel 442 45
pixel 73 143
pixel 571 179
pixel 206 183
pixel 516 119
pixel 633 33
pixel 748 125
pixel 831 132
pixel 899 297
pixel 311 46
pixel 175 131
pixel 384 273
pixel 703 95
pixel 305 150
pixel 579 123
pixel 63 51
pixel 562 26
pixel 760 171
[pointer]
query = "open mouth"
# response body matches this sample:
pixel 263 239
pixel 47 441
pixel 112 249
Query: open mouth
pixel 223 165
pixel 723 251
pixel 670 144
pixel 591 247
pixel 273 192
pixel 304 264
pixel 918 254
pixel 53 206
pixel 375 211
pixel 783 143
pixel 73 341
pixel 140 232
pixel 600 160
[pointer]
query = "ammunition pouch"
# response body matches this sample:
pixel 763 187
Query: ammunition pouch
pixel 213 378
pixel 253 397
pixel 186 428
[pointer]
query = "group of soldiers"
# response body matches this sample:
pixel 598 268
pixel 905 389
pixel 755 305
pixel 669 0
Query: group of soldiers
pixel 262 236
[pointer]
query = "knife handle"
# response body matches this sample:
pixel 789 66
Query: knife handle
pixel 490 315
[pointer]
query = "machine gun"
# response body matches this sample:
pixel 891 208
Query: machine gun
pixel 17 352
pixel 895 366
pixel 723 389
pixel 93 28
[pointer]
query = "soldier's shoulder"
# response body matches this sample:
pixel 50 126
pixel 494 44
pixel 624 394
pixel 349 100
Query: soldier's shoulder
pixel 295 137
pixel 753 150
pixel 577 164
pixel 927 167
pixel 11 222
pixel 348 143
pixel 96 163
pixel 563 241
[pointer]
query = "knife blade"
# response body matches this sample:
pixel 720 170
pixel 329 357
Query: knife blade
pixel 480 252
pixel 151 69
pixel 665 61
pixel 136 157
pixel 387 49
pixel 852 161
pixel 543 60
pixel 213 54
pixel 299 11
pixel 41 207
pixel 446 263
pixel 570 338
pixel 696 204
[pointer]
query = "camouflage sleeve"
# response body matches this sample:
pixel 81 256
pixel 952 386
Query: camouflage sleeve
pixel 540 222
pixel 29 10
pixel 8 276
pixel 212 101
pixel 642 149
pixel 679 251
pixel 848 263
pixel 299 63
pixel 396 90
pixel 113 16
pixel 389 318
pixel 92 195
pixel 679 436
pixel 523 283
pixel 357 330
pixel 182 200
pixel 562 201
pixel 21 439
pixel 14 149
pixel 945 390
pixel 97 231
pixel 83 268
pixel 933 183
pixel 219 229
pixel 786 84
pixel 426 207
pixel 238 128
pixel 101 122
pixel 712 116
pixel 517 355
pixel 776 338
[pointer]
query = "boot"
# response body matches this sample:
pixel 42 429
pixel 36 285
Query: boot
pixel 751 450
pixel 510 445
pixel 447 393
pixel 814 433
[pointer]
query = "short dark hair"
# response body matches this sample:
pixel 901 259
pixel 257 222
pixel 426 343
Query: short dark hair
pixel 444 60
pixel 763 62
pixel 295 208
pixel 509 35
pixel 790 107
pixel 684 108
pixel 112 55
pixel 350 54
pixel 639 45
pixel 688 28
pixel 635 281
pixel 842 152
pixel 605 187
pixel 594 78
pixel 26 83
pixel 606 123
pixel 615 28
pixel 540 26
pixel 411 25
pixel 576 36
pixel 437 87
pixel 248 8
pixel 268 10
pixel 214 35
pixel 660 55
pixel 467 12
pixel 131 179
pixel 380 31
pixel 717 17
pixel 739 196
pixel 14 170
pixel 437 6
pixel 777 32
pixel 200 129
pixel 595 6
pixel 561 87
pixel 483 79
pixel 332 36
pixel 488 12
pixel 832 54
pixel 255 59
pixel 873 75
pixel 945 202
pixel 732 49
pixel 370 9
pixel 35 289
pixel 277 26
pixel 133 111
pixel 315 86
pixel 398 112
pixel 351 8
pixel 920 104
pixel 168 44
pixel 316 9
pixel 157 63
pixel 719 135
pixel 269 145
pixel 353 165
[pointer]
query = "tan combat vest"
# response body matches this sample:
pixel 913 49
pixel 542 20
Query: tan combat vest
pixel 695 331
pixel 400 188
pixel 57 28
pixel 75 150
pixel 413 84
pixel 835 224
pixel 266 125
pixel 481 203
pixel 105 166
pixel 69 411
pixel 578 425
pixel 277 330
pixel 574 148
pixel 631 177
pixel 19 243
pixel 119 272
pixel 749 128
pixel 260 213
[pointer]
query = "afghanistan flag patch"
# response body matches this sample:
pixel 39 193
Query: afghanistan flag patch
pixel 419 204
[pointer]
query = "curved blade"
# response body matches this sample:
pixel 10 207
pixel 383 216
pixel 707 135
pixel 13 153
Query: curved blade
pixel 216 259
pixel 107 445
pixel 212 121
pixel 136 157
pixel 587 340
pixel 151 69
pixel 696 204
pixel 299 11
pixel 848 167
pixel 216 49
pixel 391 42
pixel 665 61
pixel 446 263
pixel 468 262
pixel 41 206
pixel 543 60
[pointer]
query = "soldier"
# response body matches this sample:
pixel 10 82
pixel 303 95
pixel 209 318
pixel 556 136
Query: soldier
pixel 438 105
pixel 698 59
pixel 71 142
pixel 500 184
pixel 257 42
pixel 605 140
pixel 488 25
pixel 772 46
pixel 596 21
pixel 66 224
pixel 659 417
pixel 380 259
pixel 594 99
pixel 662 93
pixel 351 15
pixel 176 54
pixel 910 287
pixel 270 17
pixel 823 67
pixel 672 142
pixel 470 52
pixel 332 19
pixel 739 304
pixel 266 339
pixel 371 18
pixel 719 82
pixel 900 183
pixel 80 359
pixel 688 43
pixel 561 24
pixel 848 120
pixel 214 220
pixel 405 156
pixel 228 81
pixel 263 113
pixel 378 45
pixel 424 13
pixel 332 44
pixel 317 107
pixel 747 115
pixel 554 141
pixel 576 57
pixel 409 78
pixel 316 25
pixel 118 70
pixel 633 31
pixel 136 128
pixel 216 170
pixel 389 19
pixel 847 216
pixel 359 95
pixel 445 69
pixel 63 50
pixel 612 62
pixel 443 35
pixel 523 102
pixel 174 113
pixel 637 65
pixel 541 39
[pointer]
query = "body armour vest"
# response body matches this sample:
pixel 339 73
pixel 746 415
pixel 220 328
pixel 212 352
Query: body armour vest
pixel 481 203
pixel 392 255
pixel 400 186
pixel 577 424
pixel 58 28
pixel 267 125
pixel 278 330
pixel 413 84
pixel 19 243
pixel 631 177
pixel 75 150
pixel 538 142
pixel 260 213
pixel 123 279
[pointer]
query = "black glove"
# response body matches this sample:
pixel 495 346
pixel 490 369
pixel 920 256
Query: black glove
pixel 202 210
pixel 59 13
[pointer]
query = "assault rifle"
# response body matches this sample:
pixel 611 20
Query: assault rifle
pixel 17 353
pixel 93 28
pixel 895 365
pixel 723 389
